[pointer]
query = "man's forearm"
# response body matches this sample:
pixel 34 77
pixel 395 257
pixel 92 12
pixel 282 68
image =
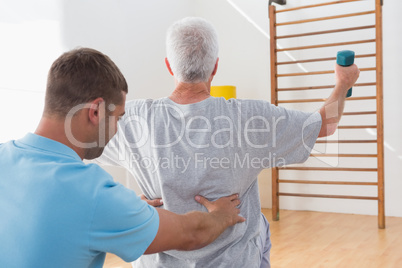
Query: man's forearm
pixel 202 228
pixel 331 112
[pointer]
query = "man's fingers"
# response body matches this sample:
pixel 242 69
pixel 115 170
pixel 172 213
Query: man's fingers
pixel 202 200
pixel 233 197
pixel 156 202
pixel 240 219
pixel 226 206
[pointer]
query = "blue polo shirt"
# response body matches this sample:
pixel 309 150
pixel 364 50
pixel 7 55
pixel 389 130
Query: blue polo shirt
pixel 56 211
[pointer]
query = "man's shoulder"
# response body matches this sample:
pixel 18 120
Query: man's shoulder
pixel 239 102
pixel 90 175
pixel 4 144
pixel 95 169
pixel 142 107
pixel 6 151
pixel 141 103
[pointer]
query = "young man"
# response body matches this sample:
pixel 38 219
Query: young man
pixel 59 212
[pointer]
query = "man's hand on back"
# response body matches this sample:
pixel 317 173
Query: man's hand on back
pixel 195 229
pixel 224 208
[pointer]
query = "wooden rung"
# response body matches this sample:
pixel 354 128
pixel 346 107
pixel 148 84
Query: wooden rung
pixel 326 18
pixel 321 100
pixel 323 87
pixel 321 59
pixel 360 113
pixel 307 88
pixel 326 32
pixel 321 72
pixel 330 196
pixel 306 73
pixel 327 45
pixel 328 182
pixel 329 169
pixel 317 5
pixel 357 127
pixel 343 155
pixel 306 61
pixel 346 141
pixel 364 84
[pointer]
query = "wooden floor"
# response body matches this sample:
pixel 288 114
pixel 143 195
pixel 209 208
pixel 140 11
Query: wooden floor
pixel 314 239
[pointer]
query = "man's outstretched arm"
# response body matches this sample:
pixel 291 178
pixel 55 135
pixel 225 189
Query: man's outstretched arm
pixel 195 229
pixel 332 109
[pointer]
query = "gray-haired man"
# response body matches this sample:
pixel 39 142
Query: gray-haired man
pixel 191 143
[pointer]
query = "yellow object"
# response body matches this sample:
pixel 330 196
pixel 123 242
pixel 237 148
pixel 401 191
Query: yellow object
pixel 228 92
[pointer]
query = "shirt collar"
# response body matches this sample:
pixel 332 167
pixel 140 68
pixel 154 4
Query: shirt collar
pixel 42 143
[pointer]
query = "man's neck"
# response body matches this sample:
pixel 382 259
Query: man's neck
pixel 186 93
pixel 54 128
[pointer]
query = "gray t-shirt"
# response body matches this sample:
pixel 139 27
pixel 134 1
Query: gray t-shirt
pixel 212 148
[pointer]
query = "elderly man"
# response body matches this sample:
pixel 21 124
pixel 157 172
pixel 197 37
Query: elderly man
pixel 59 212
pixel 191 143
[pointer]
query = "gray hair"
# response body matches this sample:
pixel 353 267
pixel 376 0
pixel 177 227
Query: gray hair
pixel 192 49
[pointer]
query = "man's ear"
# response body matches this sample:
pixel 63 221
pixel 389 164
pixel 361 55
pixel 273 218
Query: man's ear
pixel 96 111
pixel 168 66
pixel 216 67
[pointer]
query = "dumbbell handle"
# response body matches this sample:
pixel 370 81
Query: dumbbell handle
pixel 346 58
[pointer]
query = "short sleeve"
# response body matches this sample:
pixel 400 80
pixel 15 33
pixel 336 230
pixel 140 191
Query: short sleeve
pixel 296 135
pixel 287 136
pixel 122 224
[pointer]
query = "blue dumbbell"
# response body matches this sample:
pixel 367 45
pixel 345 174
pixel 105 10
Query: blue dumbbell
pixel 346 58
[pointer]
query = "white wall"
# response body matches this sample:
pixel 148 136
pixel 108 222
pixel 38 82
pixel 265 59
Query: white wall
pixel 244 45
pixel 35 33
pixel 132 33
pixel 29 44
pixel 392 108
